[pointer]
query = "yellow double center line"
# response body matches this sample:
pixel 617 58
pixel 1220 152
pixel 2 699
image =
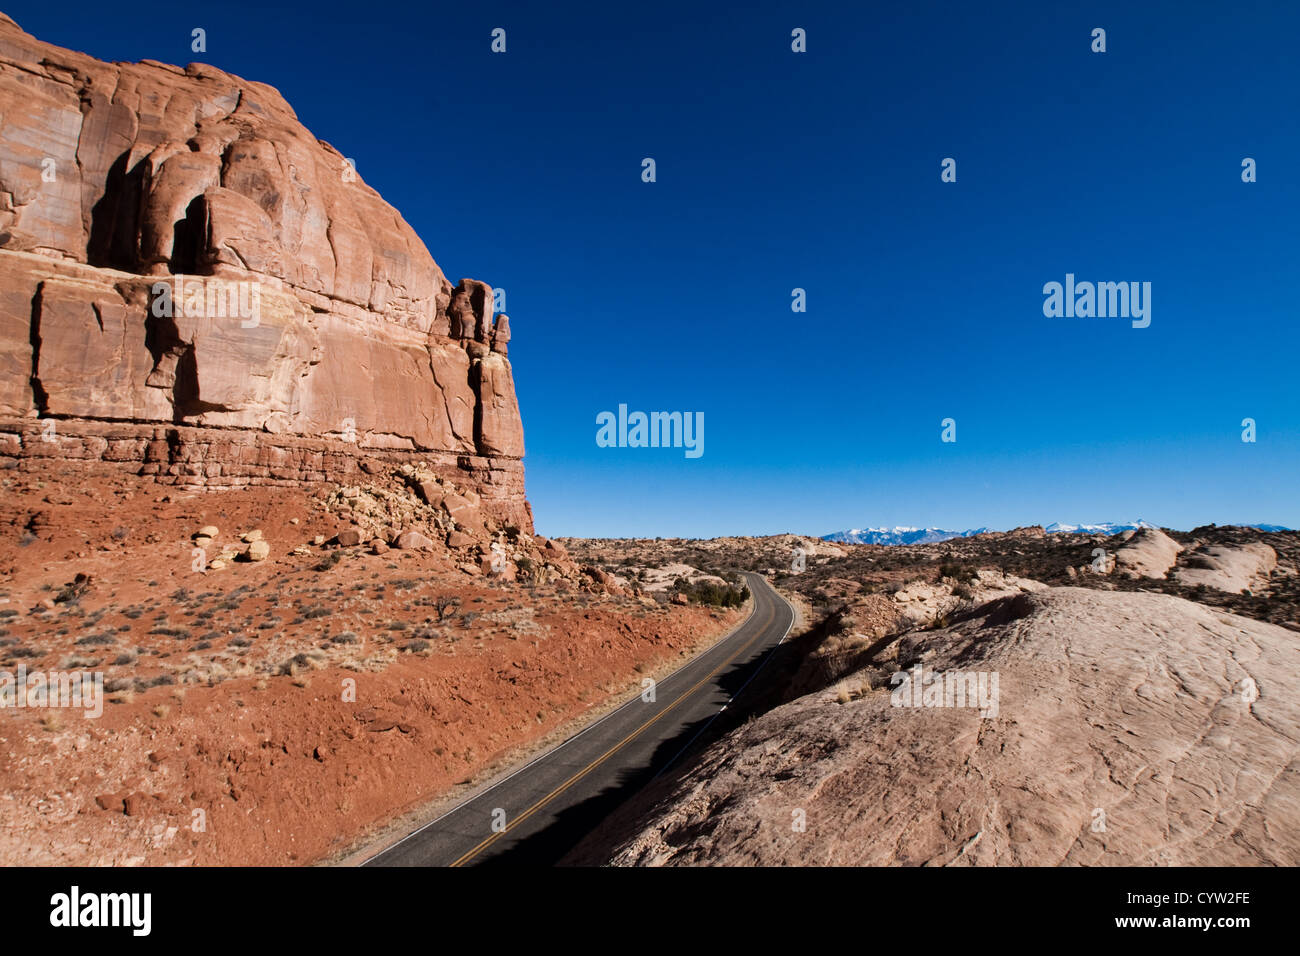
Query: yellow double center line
pixel 771 616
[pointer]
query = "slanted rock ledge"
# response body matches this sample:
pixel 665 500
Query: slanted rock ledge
pixel 217 459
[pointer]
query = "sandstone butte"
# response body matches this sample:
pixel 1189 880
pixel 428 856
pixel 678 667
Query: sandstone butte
pixel 117 176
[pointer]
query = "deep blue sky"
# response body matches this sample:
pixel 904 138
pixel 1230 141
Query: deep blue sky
pixel 821 171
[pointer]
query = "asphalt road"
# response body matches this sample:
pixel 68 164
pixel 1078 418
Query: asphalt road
pixel 536 813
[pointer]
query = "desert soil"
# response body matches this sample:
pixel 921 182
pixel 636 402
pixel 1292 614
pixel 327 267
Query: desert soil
pixel 230 735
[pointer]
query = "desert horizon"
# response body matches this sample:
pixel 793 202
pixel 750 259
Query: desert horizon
pixel 726 524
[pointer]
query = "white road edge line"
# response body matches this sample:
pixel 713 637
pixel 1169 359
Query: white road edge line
pixel 546 754
pixel 757 670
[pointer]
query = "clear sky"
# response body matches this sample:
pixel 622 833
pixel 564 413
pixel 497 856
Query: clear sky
pixel 821 171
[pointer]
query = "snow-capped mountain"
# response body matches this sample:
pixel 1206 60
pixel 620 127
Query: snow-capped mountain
pixel 906 535
pixel 1106 527
pixel 898 535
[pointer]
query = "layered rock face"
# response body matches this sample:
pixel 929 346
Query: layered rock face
pixel 194 285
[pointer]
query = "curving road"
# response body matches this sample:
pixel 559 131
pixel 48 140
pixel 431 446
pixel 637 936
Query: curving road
pixel 536 813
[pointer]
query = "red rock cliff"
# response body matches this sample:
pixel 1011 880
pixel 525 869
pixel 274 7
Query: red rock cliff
pixel 312 330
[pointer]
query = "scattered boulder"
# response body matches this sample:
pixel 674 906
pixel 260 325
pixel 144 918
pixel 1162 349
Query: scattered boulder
pixel 258 550
pixel 430 493
pixel 414 541
pixel 39 522
pixel 349 538
pixel 134 804
pixel 113 802
pixel 491 565
pixel 466 515
pixel 458 539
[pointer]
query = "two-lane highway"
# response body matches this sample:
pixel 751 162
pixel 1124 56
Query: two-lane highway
pixel 536 813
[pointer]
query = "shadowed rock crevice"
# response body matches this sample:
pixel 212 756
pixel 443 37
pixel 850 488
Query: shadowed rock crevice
pixel 188 239
pixel 114 219
pixel 40 398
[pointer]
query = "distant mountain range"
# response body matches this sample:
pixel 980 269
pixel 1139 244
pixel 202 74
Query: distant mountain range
pixel 898 535
pixel 902 535
pixel 1106 527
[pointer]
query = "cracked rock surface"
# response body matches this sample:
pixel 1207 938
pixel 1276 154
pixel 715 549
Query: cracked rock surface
pixel 1132 728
